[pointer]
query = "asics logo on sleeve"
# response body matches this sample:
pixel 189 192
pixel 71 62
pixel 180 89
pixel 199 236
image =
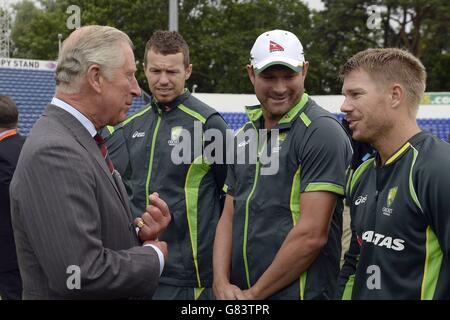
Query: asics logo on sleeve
pixel 381 240
pixel 360 200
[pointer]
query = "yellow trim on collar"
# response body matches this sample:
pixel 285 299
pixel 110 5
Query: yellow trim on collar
pixel 398 153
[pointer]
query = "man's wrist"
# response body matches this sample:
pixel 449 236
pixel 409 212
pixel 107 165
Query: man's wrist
pixel 254 292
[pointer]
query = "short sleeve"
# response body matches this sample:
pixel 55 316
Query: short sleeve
pixel 324 155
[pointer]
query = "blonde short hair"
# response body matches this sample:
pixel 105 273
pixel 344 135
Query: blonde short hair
pixel 391 65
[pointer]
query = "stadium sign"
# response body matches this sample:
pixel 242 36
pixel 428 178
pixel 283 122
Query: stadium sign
pixel 436 98
pixel 27 64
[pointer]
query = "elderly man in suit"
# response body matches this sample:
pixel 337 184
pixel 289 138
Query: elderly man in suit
pixel 10 145
pixel 74 232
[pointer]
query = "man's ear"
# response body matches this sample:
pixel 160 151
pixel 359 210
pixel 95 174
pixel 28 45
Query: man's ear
pixel 94 78
pixel 305 69
pixel 397 95
pixel 251 73
pixel 188 71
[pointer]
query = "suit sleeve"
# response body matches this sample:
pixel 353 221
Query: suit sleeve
pixel 61 222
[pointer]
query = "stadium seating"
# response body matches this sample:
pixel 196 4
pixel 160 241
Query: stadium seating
pixel 32 90
pixel 438 127
pixel 235 120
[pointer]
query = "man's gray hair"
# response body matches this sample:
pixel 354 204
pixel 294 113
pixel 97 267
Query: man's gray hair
pixel 85 47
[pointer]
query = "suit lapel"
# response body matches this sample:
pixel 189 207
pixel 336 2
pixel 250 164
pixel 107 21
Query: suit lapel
pixel 122 192
pixel 87 142
pixel 124 198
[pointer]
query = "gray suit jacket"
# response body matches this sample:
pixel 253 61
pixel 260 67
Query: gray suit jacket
pixel 67 210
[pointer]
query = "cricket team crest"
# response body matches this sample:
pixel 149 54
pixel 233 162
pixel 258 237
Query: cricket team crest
pixel 391 196
pixel 281 137
pixel 175 135
pixel 387 210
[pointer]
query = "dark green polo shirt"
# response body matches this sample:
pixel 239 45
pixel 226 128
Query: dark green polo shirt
pixel 314 152
pixel 401 225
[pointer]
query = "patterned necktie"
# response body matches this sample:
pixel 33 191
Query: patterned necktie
pixel 101 144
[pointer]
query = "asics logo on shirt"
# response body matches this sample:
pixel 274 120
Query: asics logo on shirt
pixel 360 200
pixel 138 134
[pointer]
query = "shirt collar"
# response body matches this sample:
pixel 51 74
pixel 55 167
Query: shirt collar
pixel 255 112
pixel 171 105
pixel 77 114
pixel 8 133
pixel 402 150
